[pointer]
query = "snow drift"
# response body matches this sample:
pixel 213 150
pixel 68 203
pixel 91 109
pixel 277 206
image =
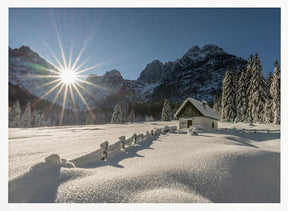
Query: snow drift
pixel 215 166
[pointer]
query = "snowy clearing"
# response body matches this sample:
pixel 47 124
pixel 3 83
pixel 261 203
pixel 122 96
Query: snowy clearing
pixel 215 166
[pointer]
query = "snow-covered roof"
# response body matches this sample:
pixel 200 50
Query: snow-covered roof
pixel 207 112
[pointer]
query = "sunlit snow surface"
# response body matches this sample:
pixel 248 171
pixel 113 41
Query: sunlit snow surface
pixel 216 166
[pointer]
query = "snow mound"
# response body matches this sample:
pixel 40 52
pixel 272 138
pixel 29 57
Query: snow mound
pixel 40 183
pixel 53 159
pixel 207 170
pixel 167 195
pixel 216 166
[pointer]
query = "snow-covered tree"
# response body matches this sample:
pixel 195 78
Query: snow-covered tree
pixel 150 118
pixel 132 116
pixel 26 118
pixel 38 119
pixel 217 106
pixel 268 113
pixel 118 116
pixel 248 84
pixel 241 98
pixel 166 111
pixel 275 93
pixel 15 115
pixel 269 81
pixel 124 109
pixel 258 91
pixel 228 97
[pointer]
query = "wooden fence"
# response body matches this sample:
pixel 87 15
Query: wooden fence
pixel 107 151
pixel 252 130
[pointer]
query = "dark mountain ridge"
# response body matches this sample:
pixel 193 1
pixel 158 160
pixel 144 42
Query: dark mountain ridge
pixel 198 74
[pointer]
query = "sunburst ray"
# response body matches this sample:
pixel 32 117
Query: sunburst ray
pixel 47 93
pixel 83 99
pixel 63 104
pixel 66 77
pixel 55 97
pixel 48 83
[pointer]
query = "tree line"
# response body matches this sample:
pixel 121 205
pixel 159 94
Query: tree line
pixel 142 112
pixel 246 95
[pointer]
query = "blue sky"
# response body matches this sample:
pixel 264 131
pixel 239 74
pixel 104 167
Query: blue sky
pixel 129 39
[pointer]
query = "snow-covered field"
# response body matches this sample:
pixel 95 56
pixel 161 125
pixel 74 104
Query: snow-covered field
pixel 216 166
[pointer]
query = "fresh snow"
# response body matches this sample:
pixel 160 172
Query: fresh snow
pixel 208 112
pixel 226 165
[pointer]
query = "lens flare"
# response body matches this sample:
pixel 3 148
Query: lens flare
pixel 68 76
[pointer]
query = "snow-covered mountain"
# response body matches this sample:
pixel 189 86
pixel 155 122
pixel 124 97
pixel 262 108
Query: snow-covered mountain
pixel 24 66
pixel 198 74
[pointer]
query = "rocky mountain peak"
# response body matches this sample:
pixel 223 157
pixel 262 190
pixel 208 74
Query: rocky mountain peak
pixel 113 76
pixel 23 51
pixel 212 49
pixel 27 55
pixel 195 53
pixel 153 72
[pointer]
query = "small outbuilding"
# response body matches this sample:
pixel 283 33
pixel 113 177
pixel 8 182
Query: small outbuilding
pixel 196 114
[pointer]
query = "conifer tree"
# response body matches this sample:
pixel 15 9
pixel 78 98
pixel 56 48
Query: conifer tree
pixel 217 106
pixel 26 118
pixel 258 91
pixel 228 97
pixel 268 113
pixel 132 116
pixel 38 119
pixel 269 81
pixel 15 115
pixel 166 112
pixel 241 98
pixel 124 112
pixel 275 93
pixel 118 116
pixel 248 85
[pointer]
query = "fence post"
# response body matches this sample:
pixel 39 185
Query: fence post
pixel 104 147
pixel 268 131
pixel 135 138
pixel 122 143
pixel 255 131
pixel 243 130
pixel 152 132
pixel 156 132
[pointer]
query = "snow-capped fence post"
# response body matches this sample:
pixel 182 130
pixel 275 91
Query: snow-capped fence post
pixel 147 134
pixel 243 130
pixel 152 132
pixel 166 129
pixel 268 131
pixel 156 132
pixel 122 142
pixel 255 131
pixel 135 138
pixel 104 147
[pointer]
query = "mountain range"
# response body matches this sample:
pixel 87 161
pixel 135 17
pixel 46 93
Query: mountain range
pixel 198 74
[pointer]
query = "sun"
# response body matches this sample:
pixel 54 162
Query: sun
pixel 68 76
